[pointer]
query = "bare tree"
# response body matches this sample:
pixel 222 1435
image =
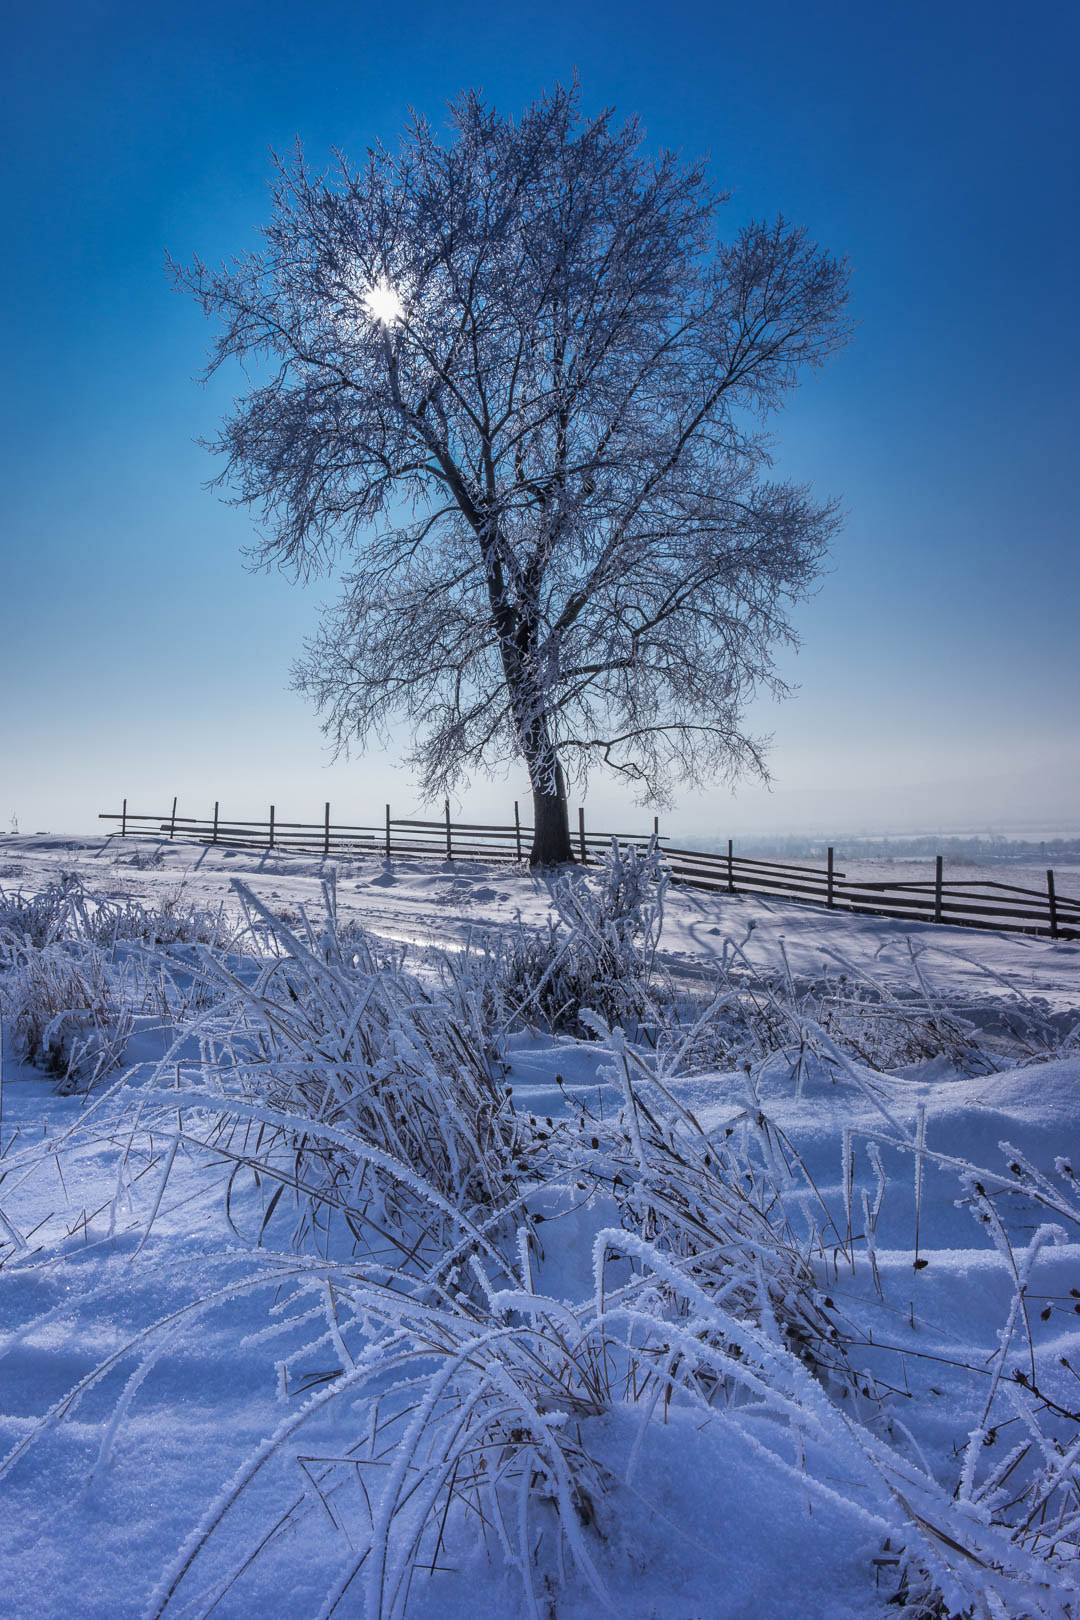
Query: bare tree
pixel 517 381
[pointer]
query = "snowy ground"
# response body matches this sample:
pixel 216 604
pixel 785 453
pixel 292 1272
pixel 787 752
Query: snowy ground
pixel 720 1516
pixel 423 902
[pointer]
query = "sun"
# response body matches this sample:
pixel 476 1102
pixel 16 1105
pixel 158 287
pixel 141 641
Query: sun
pixel 383 304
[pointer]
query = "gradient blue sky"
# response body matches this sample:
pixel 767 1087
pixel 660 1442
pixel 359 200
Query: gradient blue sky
pixel 936 144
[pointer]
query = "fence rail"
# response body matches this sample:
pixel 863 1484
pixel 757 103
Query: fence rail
pixel 963 902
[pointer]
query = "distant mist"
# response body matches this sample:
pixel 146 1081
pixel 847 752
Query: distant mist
pixel 979 851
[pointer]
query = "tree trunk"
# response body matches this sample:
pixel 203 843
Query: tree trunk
pixel 551 824
pixel 516 626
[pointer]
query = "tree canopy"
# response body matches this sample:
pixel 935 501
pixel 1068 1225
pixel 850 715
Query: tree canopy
pixel 516 388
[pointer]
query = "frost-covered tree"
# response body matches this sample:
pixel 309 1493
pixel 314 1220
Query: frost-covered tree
pixel 515 386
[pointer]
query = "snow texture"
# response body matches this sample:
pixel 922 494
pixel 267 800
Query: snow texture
pixel 362 1276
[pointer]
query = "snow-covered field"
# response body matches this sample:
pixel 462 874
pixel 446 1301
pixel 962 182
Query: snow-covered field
pixel 435 903
pixel 898 870
pixel 783 1323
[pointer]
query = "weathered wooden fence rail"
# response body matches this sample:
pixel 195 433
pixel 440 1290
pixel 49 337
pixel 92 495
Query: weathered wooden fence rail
pixel 963 902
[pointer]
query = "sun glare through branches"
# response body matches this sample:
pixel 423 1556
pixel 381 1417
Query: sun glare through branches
pixel 383 304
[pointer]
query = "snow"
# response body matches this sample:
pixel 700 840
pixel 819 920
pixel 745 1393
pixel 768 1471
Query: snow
pixel 424 902
pixel 168 1352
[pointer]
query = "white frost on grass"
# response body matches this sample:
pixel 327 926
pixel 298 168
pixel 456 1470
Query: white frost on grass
pixel 298 1306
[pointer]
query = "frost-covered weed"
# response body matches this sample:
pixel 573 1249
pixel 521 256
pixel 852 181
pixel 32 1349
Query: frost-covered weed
pixel 66 910
pixel 598 952
pixel 369 1096
pixel 64 1006
pixel 763 1013
pixel 176 920
pixel 56 912
pixel 1018 1466
pixel 64 1013
pixel 712 1202
pixel 468 1392
pixel 467 1417
pixel 471 1407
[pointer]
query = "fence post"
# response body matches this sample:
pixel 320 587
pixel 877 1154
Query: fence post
pixel 388 832
pixel 581 834
pixel 656 827
pixel 937 888
pixel 271 845
pixel 829 879
pixel 326 828
pixel 730 874
pixel 123 821
pixel 172 825
pixel 1051 895
pixel 214 839
pixel 449 841
pixel 517 828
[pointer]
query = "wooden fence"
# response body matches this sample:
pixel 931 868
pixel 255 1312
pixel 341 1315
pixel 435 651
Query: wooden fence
pixel 963 902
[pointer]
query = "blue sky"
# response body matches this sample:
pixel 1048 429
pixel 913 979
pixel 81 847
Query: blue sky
pixel 936 145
